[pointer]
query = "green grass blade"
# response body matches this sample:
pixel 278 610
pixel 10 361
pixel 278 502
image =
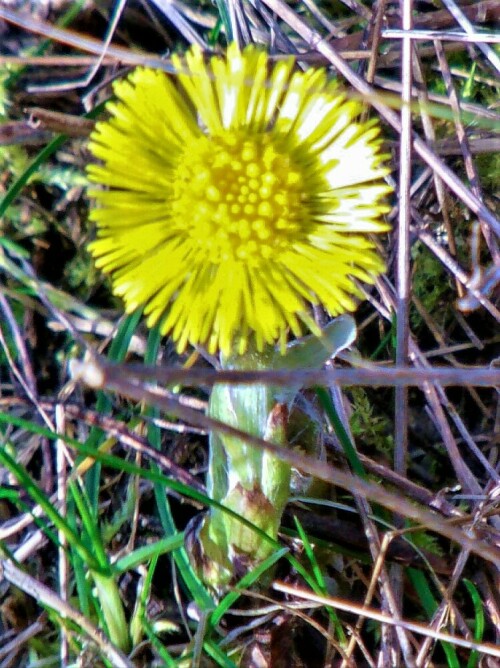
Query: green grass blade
pixel 91 533
pixel 38 496
pixel 117 352
pixel 140 617
pixel 224 17
pixel 430 605
pixel 341 432
pixel 192 582
pixel 247 581
pixel 143 554
pixel 218 655
pixel 478 621
pixel 15 189
pixel 320 587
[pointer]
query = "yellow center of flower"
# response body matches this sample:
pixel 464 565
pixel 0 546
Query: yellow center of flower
pixel 239 198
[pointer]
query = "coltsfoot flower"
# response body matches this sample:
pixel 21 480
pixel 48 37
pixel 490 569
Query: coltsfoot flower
pixel 236 194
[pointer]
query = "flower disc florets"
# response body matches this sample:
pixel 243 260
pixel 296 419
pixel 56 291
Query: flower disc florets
pixel 241 199
pixel 238 193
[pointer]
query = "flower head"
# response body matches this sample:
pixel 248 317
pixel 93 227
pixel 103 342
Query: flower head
pixel 237 194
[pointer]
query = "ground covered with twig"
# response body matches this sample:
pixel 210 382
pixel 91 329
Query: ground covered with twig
pixel 390 550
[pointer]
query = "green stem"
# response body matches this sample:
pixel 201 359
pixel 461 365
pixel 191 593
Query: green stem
pixel 249 481
pixel 112 610
pixel 245 479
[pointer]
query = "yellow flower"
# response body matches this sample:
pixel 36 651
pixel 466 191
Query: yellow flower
pixel 237 194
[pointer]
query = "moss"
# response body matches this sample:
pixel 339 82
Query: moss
pixel 373 430
pixel 431 286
